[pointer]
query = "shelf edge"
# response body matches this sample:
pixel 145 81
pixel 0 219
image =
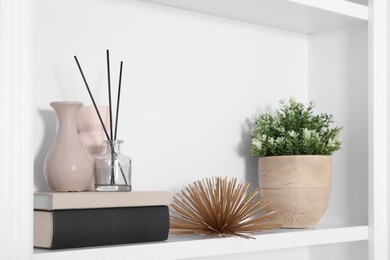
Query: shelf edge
pixel 302 16
pixel 341 7
pixel 281 239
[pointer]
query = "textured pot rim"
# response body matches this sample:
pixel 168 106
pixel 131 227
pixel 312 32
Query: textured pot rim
pixel 300 155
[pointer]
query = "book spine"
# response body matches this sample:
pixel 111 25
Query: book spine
pixel 109 226
pixel 48 201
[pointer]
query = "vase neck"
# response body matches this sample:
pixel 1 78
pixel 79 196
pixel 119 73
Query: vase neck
pixel 67 112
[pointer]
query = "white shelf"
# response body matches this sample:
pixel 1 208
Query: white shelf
pixel 305 16
pixel 179 247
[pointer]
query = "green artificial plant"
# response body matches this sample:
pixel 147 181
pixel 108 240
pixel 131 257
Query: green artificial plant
pixel 294 130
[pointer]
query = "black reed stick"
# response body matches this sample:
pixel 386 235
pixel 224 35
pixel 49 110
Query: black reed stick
pixel 109 91
pixel 90 95
pixel 117 113
pixel 113 153
pixel 118 100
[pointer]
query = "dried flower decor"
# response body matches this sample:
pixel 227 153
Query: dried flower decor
pixel 220 206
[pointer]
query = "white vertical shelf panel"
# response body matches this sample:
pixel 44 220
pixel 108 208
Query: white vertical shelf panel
pixel 16 132
pixel 305 16
pixel 379 129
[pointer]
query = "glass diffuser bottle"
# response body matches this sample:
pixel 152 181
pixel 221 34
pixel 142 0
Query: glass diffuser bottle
pixel 113 169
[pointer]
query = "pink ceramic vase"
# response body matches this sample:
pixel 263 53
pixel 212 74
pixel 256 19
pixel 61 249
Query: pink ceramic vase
pixel 68 166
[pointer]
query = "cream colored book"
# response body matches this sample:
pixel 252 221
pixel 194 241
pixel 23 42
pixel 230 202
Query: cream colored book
pixel 51 200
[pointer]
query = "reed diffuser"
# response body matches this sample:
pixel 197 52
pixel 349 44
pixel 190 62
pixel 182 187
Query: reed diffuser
pixel 112 169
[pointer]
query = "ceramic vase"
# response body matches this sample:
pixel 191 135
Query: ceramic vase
pixel 91 132
pixel 68 166
pixel 299 187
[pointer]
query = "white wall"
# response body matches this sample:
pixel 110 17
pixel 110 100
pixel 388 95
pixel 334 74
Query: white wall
pixel 191 82
pixel 338 82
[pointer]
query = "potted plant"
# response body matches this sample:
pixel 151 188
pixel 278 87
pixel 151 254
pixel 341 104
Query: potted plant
pixel 294 147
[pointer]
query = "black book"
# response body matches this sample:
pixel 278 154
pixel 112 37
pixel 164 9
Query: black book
pixel 72 228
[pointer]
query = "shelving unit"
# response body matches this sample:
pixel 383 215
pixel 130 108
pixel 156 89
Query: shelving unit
pixel 310 25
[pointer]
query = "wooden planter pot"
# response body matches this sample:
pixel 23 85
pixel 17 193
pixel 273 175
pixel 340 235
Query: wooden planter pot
pixel 298 186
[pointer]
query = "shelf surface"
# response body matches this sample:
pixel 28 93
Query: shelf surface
pixel 305 16
pixel 183 247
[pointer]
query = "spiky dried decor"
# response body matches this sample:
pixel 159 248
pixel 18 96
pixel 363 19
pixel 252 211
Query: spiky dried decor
pixel 220 206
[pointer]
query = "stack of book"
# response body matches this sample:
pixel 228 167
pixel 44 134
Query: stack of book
pixel 81 219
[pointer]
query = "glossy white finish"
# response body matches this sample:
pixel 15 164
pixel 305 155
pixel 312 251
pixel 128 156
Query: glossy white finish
pixel 193 247
pixel 306 16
